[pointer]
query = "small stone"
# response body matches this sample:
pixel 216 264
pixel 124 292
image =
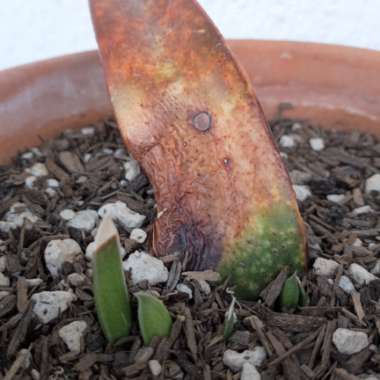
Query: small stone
pixel 36 152
pixel 38 170
pixel 132 170
pixel 51 182
pixel 375 269
pixel 302 192
pixel 120 153
pixel 120 213
pixel 336 198
pixel 360 275
pixel 250 372
pixel 16 216
pixel 27 155
pixel 4 280
pixel 349 342
pixel 88 131
pixel 325 267
pixel 76 279
pixel 84 220
pixel 32 282
pixel 82 179
pixel 107 151
pixel 145 267
pixel 72 334
pixel 138 234
pixel 91 248
pixel 50 192
pixel 299 178
pixel 3 263
pixel 35 374
pixel 362 210
pixel 287 141
pixel 205 287
pixel 4 293
pixel 296 126
pixel 235 360
pixel 373 184
pixel 58 252
pixel 67 214
pixel 346 285
pixel 317 144
pixel 87 157
pixel 48 305
pixel 183 288
pixel 29 181
pixel 357 243
pixel 155 367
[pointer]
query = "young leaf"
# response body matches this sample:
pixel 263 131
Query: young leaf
pixel 154 318
pixel 110 290
pixel 230 320
pixel 290 294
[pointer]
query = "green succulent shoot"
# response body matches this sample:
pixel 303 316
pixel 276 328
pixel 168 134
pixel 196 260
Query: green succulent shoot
pixel 292 295
pixel 153 316
pixel 110 289
pixel 230 320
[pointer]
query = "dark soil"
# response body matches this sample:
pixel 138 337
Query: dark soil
pixel 298 345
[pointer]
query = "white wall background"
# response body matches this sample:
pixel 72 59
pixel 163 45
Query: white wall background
pixel 37 29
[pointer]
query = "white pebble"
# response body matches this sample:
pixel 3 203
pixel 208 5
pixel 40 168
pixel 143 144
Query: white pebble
pixel 76 279
pixel 362 210
pixel 336 198
pixel 296 126
pixel 87 157
pixel 302 192
pixel 132 169
pixel 3 294
pixel 205 287
pixel 349 342
pixel 145 267
pixel 120 213
pixel 29 181
pixel 48 305
pixel 88 131
pixel 16 216
pixel 250 372
pixel 287 141
pixel 51 182
pixel 373 183
pixel 32 282
pixel 299 178
pixel 27 155
pixel 108 151
pixel 38 170
pixel 4 280
pixel 84 220
pixel 235 360
pixel 120 154
pixel 58 252
pixel 360 274
pixel 50 192
pixel 138 234
pixel 357 243
pixel 325 267
pixel 155 367
pixel 91 248
pixel 346 285
pixel 72 334
pixel 375 270
pixel 67 214
pixel 3 263
pixel 183 288
pixel 317 144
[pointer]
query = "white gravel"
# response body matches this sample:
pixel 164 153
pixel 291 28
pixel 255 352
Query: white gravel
pixel 360 275
pixel 325 267
pixel 4 280
pixel 250 372
pixel 132 169
pixel 336 198
pixel 48 305
pixel 183 288
pixel 373 183
pixel 349 342
pixel 346 285
pixel 84 220
pixel 317 144
pixel 16 216
pixel 72 335
pixel 235 360
pixel 287 141
pixel 58 252
pixel 38 170
pixel 302 192
pixel 67 214
pixel 138 234
pixel 145 267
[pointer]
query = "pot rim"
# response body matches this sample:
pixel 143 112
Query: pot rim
pixel 336 86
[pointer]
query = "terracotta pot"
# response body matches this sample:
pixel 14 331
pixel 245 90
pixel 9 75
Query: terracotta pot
pixel 332 85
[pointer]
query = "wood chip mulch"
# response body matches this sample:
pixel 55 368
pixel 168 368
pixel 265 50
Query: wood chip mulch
pixel 88 165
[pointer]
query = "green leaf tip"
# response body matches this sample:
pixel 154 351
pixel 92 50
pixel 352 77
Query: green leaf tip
pixel 153 316
pixel 230 320
pixel 110 289
pixel 293 295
